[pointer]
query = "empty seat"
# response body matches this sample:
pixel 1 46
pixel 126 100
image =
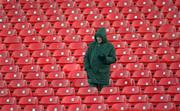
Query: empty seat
pixel 161 3
pixel 60 83
pixel 121 106
pixel 165 107
pixel 71 67
pixel 124 82
pixel 101 23
pixel 141 3
pixel 47 32
pixel 128 59
pixel 68 100
pixel 11 107
pixel 37 46
pixel 6 61
pixel 13 76
pixel 56 75
pixel 89 100
pixel 156 66
pixel 130 10
pixel 99 107
pixel 27 32
pixel 20 54
pixel 94 17
pixel 14 84
pixel 34 39
pixel 40 25
pixel 134 66
pixel 138 99
pixel 124 51
pixel 10 69
pixel 72 38
pixel 40 92
pixel 87 91
pixel 143 106
pixel 51 68
pixel 167 28
pixel 41 53
pixel 144 51
pixel 46 60
pixel 160 98
pixel 125 3
pixel 150 90
pixel 171 58
pixel 7 100
pixel 62 53
pixel 65 91
pixel 170 36
pixel 158 74
pixel 37 18
pixel 66 31
pixel 144 82
pixel 23 92
pixel 139 44
pixel 149 58
pixel 35 76
pixel 168 81
pixel 174 89
pixel 160 22
pixel 62 24
pixel 14 47
pixel 35 84
pixel 4 92
pixel 131 90
pixel 141 74
pixel 57 46
pixel 140 23
pixel 75 17
pixel 30 68
pixel 163 50
pixel 73 75
pixel 34 107
pixel 53 11
pixel 118 74
pixel 25 61
pixel 113 99
pixel 55 107
pixel 78 83
pixel 49 100
pixel 107 91
pixel 75 107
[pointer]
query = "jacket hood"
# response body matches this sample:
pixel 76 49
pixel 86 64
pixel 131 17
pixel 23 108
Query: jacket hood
pixel 101 33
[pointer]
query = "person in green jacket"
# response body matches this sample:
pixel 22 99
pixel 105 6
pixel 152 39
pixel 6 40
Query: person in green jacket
pixel 99 55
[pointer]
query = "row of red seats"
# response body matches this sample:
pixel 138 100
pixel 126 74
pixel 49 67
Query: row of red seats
pixel 123 59
pixel 171 9
pixel 67 82
pixel 87 4
pixel 123 30
pixel 174 18
pixel 123 76
pixel 96 107
pixel 111 93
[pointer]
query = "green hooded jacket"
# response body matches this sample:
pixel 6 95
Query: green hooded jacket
pixel 98 58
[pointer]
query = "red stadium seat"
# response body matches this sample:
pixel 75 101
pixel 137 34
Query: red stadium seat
pixel 7 100
pixel 63 24
pixel 141 74
pixel 4 92
pixel 49 100
pixel 143 106
pixel 99 107
pixel 35 76
pixel 163 74
pixel 51 68
pixel 40 25
pixel 40 53
pixel 115 16
pixel 55 75
pixel 131 90
pixel 165 107
pixel 13 76
pixel 124 82
pixel 121 106
pixel 88 11
pixel 66 91
pixel 156 66
pixel 35 84
pixel 55 107
pixel 60 83
pixel 14 84
pixel 61 53
pixel 10 69
pixel 118 74
pixel 142 3
pixel 24 92
pixel 160 98
pixel 151 90
pixel 30 68
pixel 40 92
pixel 46 60
pixel 138 99
pixel 113 99
pixel 87 91
pixel 34 107
pixel 124 3
pixel 89 100
pixel 49 5
pixel 11 107
pixel 20 54
pixel 75 107
pixel 68 100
